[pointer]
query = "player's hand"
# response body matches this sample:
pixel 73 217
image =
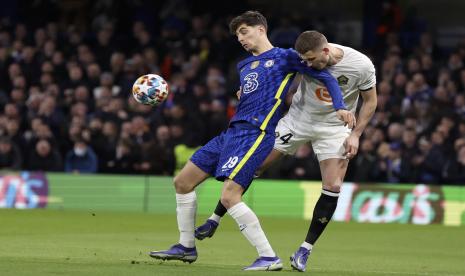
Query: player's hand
pixel 238 93
pixel 351 146
pixel 347 117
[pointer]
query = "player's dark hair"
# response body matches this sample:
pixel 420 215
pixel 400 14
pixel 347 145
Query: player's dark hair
pixel 309 41
pixel 249 18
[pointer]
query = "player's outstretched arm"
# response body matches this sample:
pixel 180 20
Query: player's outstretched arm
pixel 370 101
pixel 367 110
pixel 296 64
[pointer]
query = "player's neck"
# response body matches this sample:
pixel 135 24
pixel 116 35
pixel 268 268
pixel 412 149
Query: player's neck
pixel 265 46
pixel 335 55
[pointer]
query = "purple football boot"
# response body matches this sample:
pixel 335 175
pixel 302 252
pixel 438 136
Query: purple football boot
pixel 299 259
pixel 266 264
pixel 206 230
pixel 176 252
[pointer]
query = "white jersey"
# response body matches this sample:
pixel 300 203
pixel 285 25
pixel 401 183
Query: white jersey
pixel 312 103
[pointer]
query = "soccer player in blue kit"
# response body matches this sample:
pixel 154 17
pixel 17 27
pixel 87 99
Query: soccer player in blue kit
pixel 235 155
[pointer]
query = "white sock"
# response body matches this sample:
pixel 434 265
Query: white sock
pixel 251 229
pixel 185 212
pixel 306 245
pixel 215 217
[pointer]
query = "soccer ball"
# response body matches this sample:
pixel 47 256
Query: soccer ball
pixel 150 89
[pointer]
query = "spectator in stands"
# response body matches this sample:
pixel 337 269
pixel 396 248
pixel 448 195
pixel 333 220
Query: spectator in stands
pixel 408 172
pixel 303 166
pixel 363 166
pixel 110 136
pixel 107 81
pixel 81 159
pixel 395 131
pixel 123 159
pixel 44 158
pixel 454 172
pixel 459 105
pixel 434 160
pixel 10 155
pixel 390 162
pixel 161 152
pixel 218 121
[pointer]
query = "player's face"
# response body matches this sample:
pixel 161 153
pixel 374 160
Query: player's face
pixel 249 36
pixel 317 59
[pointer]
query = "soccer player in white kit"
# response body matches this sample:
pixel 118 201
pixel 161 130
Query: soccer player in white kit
pixel 311 118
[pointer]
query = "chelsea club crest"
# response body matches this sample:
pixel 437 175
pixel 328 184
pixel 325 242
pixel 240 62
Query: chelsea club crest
pixel 269 63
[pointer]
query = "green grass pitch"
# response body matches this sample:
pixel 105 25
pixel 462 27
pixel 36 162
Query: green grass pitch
pixel 45 242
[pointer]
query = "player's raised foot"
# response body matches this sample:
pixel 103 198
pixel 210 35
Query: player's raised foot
pixel 206 230
pixel 176 252
pixel 266 264
pixel 299 259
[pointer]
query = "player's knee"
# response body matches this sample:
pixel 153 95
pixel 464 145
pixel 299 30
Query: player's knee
pixel 181 185
pixel 334 187
pixel 229 200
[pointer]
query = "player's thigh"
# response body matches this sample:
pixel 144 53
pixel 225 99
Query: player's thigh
pixel 287 138
pixel 333 171
pixel 201 164
pixel 207 157
pixel 328 141
pixel 189 177
pixel 243 153
pixel 231 193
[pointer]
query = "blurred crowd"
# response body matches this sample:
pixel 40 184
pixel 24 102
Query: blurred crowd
pixel 66 105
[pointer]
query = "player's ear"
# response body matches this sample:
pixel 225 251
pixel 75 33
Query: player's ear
pixel 326 50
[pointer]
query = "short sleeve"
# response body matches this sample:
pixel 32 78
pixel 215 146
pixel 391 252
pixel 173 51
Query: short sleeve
pixel 368 76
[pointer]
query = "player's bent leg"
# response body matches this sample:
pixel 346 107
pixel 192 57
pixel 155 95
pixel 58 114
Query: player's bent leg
pixel 208 228
pixel 188 178
pixel 231 193
pixel 250 227
pixel 186 201
pixel 186 207
pixel 333 171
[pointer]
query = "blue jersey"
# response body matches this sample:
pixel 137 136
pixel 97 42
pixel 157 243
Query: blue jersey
pixel 265 81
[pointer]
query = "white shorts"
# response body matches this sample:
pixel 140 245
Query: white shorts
pixel 327 141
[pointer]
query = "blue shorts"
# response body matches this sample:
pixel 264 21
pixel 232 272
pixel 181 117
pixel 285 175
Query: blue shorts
pixel 235 154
